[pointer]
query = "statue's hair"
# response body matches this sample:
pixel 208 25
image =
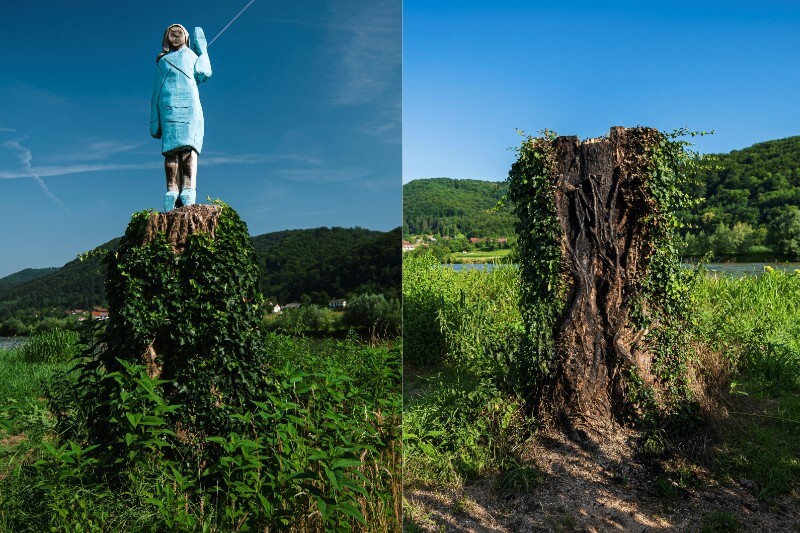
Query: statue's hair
pixel 165 40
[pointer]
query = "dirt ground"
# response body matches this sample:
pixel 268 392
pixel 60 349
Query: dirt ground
pixel 598 488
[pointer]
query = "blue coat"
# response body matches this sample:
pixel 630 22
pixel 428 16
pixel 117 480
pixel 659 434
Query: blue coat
pixel 176 116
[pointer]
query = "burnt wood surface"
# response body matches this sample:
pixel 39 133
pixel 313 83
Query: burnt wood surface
pixel 602 203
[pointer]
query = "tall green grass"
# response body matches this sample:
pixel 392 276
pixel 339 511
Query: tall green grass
pixel 463 317
pixel 55 345
pixel 22 405
pixel 461 328
pixel 755 322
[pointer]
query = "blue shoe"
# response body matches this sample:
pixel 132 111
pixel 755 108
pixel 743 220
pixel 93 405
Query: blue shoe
pixel 187 196
pixel 169 200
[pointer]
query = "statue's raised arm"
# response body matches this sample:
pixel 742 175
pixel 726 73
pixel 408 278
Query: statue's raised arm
pixel 202 68
pixel 176 116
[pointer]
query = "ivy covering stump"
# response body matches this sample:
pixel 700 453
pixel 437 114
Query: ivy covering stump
pixel 184 300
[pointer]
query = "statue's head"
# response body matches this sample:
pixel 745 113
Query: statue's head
pixel 175 37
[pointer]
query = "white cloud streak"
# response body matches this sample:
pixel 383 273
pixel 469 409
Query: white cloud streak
pixel 79 168
pixel 99 150
pixel 24 155
pixel 322 175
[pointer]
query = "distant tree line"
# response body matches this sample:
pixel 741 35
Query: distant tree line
pixel 308 266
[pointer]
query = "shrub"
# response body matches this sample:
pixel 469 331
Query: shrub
pixel 309 319
pixel 374 314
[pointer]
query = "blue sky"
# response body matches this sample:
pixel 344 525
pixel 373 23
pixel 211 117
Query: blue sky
pixel 302 118
pixel 474 71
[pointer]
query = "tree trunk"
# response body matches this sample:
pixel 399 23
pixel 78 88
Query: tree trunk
pixel 602 206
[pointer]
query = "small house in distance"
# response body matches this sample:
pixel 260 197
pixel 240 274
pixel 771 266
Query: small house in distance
pixel 99 313
pixel 337 305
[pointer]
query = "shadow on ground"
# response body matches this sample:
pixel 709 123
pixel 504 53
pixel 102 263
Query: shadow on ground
pixel 596 488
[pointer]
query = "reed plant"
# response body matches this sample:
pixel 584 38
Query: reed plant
pixel 55 345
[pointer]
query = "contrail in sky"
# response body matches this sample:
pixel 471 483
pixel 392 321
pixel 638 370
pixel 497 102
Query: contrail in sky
pixel 231 22
pixel 25 158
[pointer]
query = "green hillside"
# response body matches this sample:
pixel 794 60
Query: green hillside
pixel 751 210
pixel 451 207
pixel 76 285
pixel 24 276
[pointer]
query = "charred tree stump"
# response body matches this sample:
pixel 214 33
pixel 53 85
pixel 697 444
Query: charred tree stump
pixel 602 205
pixel 604 211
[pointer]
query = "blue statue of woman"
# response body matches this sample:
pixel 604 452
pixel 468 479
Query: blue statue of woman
pixel 176 116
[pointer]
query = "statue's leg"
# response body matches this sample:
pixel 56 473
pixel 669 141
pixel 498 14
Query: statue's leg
pixel 171 169
pixel 188 162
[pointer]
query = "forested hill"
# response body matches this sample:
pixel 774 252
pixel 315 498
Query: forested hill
pixel 326 263
pixel 752 200
pixel 453 206
pixel 309 264
pixel 23 276
pixel 76 285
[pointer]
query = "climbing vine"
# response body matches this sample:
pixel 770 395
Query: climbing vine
pixel 531 189
pixel 666 291
pixel 188 320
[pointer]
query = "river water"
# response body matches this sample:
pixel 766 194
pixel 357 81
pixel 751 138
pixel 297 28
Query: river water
pixel 9 343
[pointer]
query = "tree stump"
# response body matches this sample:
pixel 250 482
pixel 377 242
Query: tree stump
pixel 596 199
pixel 184 303
pixel 602 205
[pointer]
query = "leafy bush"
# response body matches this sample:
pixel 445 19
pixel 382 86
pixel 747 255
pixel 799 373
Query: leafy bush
pixel 52 346
pixel 309 319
